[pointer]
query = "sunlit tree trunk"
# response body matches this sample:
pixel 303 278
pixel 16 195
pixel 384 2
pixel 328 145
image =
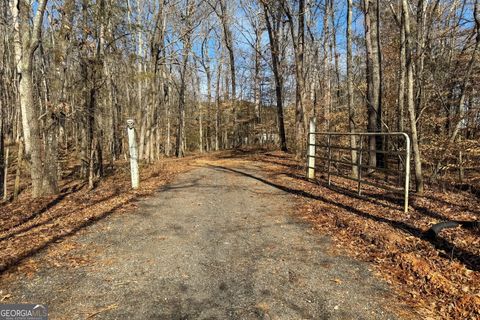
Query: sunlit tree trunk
pixel 217 105
pixel 26 42
pixel 186 43
pixel 374 110
pixel 351 106
pixel 411 100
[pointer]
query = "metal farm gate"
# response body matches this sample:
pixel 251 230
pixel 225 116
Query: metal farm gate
pixel 331 153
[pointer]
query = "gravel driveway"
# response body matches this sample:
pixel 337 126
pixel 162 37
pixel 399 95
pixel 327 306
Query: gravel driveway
pixel 216 244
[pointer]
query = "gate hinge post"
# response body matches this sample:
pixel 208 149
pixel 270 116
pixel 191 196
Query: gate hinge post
pixel 311 151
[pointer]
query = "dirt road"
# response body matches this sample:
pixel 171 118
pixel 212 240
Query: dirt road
pixel 216 244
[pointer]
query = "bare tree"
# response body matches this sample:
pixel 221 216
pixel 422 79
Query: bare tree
pixel 186 49
pixel 26 42
pixel 351 107
pixel 298 42
pixel 374 110
pixel 273 20
pixel 69 80
pixel 410 98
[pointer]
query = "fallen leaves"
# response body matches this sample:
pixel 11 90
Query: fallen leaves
pixel 30 225
pixel 440 280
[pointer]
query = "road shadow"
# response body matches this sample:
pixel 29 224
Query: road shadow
pixel 469 259
pixel 16 260
pixel 384 198
pixel 62 214
pixel 44 209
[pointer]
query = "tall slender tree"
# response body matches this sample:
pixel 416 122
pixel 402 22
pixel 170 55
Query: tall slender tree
pixel 411 99
pixel 350 98
pixel 272 19
pixel 26 41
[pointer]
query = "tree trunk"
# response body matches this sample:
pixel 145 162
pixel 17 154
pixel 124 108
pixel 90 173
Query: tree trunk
pixel 351 107
pixel 256 85
pixel 197 95
pixel 411 100
pixel 85 137
pixel 325 85
pixel 16 188
pixel 217 106
pixel 168 143
pixel 26 42
pixel 274 50
pixel 91 166
pixel 401 81
pixel 420 54
pixel 180 147
pixel 373 78
pixel 5 174
pixel 186 41
pixel 2 152
pixel 298 48
pixel 50 181
pixel 231 55
pixel 31 114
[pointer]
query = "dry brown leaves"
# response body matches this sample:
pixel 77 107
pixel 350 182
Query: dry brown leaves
pixel 30 225
pixel 439 278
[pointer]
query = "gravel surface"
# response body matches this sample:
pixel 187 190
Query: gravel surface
pixel 216 244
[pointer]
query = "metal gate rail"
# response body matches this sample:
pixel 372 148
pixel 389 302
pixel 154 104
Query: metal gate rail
pixel 312 156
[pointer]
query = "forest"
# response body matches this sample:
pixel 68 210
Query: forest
pixel 221 98
pixel 204 75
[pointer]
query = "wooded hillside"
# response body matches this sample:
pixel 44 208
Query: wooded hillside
pixel 201 75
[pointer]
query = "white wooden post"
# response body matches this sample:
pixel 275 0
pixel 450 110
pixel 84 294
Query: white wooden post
pixel 133 153
pixel 311 149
